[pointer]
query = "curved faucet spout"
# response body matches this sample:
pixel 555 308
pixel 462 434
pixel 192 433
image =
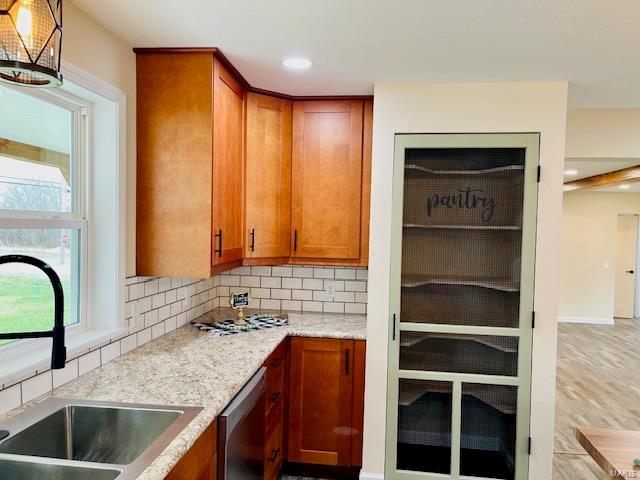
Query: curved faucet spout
pixel 59 352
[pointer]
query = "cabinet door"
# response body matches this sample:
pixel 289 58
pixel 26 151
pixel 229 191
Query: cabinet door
pixel 327 179
pixel 228 139
pixel 174 135
pixel 268 177
pixel 320 401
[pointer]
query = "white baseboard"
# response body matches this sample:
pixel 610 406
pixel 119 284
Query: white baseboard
pixel 371 476
pixel 596 321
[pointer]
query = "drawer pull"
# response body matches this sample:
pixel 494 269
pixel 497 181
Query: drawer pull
pixel 274 455
pixel 275 397
pixel 276 363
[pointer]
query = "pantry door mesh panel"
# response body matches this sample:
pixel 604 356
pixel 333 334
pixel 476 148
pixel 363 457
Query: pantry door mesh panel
pixel 462 236
pixel 424 426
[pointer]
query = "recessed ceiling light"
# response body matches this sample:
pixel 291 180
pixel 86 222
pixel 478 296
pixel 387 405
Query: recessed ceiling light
pixel 624 186
pixel 571 172
pixel 297 63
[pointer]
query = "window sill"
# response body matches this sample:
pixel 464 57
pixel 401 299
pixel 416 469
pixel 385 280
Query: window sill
pixel 19 364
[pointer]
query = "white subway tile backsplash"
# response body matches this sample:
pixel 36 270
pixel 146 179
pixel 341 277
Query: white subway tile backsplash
pixel 358 308
pixel 260 293
pixel 144 336
pixel 164 284
pixel 270 304
pixel 36 386
pixel 302 294
pixel 312 284
pixel 305 272
pixel 109 352
pixel 157 330
pixel 10 398
pixel 281 294
pixel 66 374
pixel 332 307
pixel 355 286
pixel 362 274
pixel 241 271
pixel 261 271
pixel 282 271
pixel 88 362
pixel 171 296
pixel 345 274
pixel 292 283
pixel 344 297
pixel 230 280
pixel 128 343
pixel 292 305
pixel 323 272
pixel 248 281
pixel 361 297
pixel 312 306
pixel 271 282
pixel 151 287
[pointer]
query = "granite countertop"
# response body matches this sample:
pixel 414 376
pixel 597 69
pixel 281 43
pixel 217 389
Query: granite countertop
pixel 189 367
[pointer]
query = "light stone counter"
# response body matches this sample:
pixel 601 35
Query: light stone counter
pixel 189 367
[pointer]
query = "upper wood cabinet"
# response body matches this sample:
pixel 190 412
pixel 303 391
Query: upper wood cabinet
pixel 268 178
pixel 189 165
pixel 330 181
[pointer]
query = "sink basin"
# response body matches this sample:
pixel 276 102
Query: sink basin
pixel 117 440
pixel 92 434
pixel 27 470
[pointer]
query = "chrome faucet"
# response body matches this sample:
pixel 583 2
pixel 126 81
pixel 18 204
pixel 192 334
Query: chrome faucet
pixel 59 352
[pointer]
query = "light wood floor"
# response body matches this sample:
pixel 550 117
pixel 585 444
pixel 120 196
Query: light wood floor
pixel 598 384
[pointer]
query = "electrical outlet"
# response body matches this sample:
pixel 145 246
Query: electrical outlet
pixel 330 291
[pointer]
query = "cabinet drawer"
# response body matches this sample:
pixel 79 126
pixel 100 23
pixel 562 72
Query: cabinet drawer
pixel 273 455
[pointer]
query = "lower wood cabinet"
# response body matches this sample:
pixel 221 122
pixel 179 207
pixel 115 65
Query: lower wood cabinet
pixel 275 400
pixel 326 385
pixel 199 463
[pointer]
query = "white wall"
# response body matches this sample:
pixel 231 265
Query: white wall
pixel 602 132
pixel 90 47
pixel 524 107
pixel 589 240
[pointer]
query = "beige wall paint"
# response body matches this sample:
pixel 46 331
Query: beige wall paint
pixel 589 238
pixel 602 132
pixel 90 47
pixel 523 107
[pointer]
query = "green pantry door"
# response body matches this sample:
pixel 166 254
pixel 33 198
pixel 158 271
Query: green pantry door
pixel 461 306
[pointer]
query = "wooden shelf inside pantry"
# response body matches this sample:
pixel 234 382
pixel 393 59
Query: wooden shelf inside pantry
pixel 503 344
pixel 504 285
pixel 484 171
pixel 506 403
pixel 463 227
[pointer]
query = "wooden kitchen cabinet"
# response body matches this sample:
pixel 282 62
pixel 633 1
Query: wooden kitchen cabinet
pixel 190 141
pixel 326 389
pixel 331 161
pixel 199 463
pixel 275 402
pixel 268 179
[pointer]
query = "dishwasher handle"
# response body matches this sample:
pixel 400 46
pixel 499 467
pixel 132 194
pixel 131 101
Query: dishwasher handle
pixel 244 402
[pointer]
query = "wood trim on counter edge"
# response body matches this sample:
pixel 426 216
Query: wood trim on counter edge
pixel 217 53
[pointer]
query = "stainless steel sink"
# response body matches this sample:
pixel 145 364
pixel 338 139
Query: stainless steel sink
pixel 21 469
pixel 125 436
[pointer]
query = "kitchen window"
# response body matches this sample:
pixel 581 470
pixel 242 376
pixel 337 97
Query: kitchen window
pixel 43 209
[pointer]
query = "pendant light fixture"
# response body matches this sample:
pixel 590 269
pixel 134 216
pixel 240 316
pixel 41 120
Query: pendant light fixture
pixel 30 42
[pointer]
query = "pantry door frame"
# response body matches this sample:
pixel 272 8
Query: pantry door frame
pixel 531 143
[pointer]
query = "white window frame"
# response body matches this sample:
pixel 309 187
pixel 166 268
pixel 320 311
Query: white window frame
pixel 76 219
pixel 101 292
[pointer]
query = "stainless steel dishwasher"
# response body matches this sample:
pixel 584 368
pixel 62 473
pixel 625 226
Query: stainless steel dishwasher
pixel 241 433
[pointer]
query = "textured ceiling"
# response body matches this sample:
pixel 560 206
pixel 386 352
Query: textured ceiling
pixel 594 44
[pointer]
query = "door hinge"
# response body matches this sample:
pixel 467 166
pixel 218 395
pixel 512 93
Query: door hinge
pixel 533 319
pixel 539 172
pixel 529 446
